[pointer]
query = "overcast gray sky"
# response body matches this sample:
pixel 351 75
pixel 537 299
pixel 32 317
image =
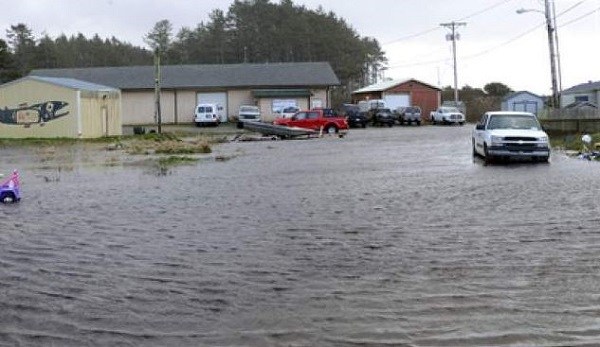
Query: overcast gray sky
pixel 496 45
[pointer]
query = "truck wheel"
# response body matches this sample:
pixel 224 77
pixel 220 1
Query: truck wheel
pixel 488 158
pixel 331 129
pixel 418 123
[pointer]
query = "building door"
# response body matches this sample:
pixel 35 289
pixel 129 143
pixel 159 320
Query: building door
pixel 393 101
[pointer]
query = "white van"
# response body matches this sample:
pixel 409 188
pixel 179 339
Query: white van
pixel 208 114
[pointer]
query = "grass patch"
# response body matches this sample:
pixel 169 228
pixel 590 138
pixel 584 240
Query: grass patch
pixel 167 147
pixel 37 142
pixel 176 160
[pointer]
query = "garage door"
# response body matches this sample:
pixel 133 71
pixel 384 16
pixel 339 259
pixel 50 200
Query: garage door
pixel 393 101
pixel 214 98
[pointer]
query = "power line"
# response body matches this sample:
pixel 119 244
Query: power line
pixel 427 31
pixel 484 10
pixel 581 17
pixel 486 51
pixel 531 30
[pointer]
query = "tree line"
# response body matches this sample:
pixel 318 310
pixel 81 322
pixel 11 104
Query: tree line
pixel 251 31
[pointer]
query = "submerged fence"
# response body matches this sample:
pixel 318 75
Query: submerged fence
pixel 571 120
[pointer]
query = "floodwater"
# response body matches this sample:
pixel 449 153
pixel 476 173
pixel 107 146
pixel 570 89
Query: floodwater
pixel 387 237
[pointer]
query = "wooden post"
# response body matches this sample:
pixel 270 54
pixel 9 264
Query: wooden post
pixel 157 113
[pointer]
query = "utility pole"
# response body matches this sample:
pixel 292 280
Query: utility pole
pixel 454 36
pixel 557 52
pixel 550 28
pixel 157 114
pixel 550 15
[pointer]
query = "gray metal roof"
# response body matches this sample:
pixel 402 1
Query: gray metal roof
pixel 385 85
pixel 515 94
pixel 73 83
pixel 204 76
pixel 68 83
pixel 584 87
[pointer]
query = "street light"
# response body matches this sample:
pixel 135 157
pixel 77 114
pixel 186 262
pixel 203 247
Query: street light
pixel 552 37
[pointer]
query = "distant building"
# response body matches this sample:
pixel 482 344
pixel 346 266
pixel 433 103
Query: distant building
pixel 399 93
pixel 269 86
pixel 523 101
pixel 586 92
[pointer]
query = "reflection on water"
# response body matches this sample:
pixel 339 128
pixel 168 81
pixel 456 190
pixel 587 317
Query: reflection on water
pixel 391 237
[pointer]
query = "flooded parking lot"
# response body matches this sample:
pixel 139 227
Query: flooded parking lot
pixel 387 237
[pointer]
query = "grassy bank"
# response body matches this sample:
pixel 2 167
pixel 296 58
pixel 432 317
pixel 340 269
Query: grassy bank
pixel 571 142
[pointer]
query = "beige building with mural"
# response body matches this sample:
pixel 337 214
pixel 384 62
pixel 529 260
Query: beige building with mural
pixel 58 107
pixel 269 86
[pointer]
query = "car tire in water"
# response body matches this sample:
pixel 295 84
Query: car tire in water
pixel 331 129
pixel 487 157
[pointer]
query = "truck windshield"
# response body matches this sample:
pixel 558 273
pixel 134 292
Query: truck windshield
pixel 513 122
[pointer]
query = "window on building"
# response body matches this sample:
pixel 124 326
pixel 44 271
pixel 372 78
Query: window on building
pixel 582 98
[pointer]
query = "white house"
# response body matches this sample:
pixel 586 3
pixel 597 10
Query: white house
pixel 585 92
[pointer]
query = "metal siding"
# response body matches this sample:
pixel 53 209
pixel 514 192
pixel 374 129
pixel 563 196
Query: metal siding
pixel 32 92
pixel 237 98
pixel 186 103
pixel 138 107
pixel 167 107
pixel 92 116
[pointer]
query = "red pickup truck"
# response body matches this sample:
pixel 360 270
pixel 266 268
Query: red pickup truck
pixel 315 119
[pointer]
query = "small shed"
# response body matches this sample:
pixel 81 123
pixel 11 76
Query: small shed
pixel 58 107
pixel 398 93
pixel 523 101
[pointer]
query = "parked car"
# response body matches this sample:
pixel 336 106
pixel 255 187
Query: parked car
pixel 509 134
pixel 287 112
pixel 248 113
pixel 317 119
pixel 447 115
pixel 409 115
pixel 208 114
pixel 383 116
pixel 354 116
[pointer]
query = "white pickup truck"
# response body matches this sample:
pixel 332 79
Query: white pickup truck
pixel 447 115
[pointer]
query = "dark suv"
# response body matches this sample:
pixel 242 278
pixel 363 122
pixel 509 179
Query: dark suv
pixel 353 115
pixel 383 116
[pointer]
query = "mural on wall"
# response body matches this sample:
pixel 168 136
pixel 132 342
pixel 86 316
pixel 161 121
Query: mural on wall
pixel 31 114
